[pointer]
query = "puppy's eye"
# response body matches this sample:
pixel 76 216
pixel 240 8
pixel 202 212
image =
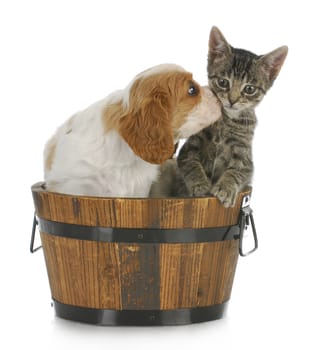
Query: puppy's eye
pixel 222 83
pixel 193 90
pixel 250 89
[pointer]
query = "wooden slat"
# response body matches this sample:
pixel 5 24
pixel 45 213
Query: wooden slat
pixel 140 282
pixel 179 264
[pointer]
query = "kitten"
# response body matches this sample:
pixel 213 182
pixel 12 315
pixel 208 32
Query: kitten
pixel 218 160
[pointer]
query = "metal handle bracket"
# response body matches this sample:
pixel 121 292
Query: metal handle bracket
pixel 246 219
pixel 34 226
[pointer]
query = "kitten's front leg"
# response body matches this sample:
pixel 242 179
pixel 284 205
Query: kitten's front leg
pixel 195 180
pixel 235 177
pixel 226 191
pixel 196 183
pixel 230 184
pixel 200 189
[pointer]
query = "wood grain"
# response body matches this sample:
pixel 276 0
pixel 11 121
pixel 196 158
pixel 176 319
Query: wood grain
pixel 137 276
pixel 134 213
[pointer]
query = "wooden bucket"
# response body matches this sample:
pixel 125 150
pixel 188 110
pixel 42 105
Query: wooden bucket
pixel 123 261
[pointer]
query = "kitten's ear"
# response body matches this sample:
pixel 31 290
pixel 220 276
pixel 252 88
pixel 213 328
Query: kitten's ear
pixel 217 45
pixel 273 61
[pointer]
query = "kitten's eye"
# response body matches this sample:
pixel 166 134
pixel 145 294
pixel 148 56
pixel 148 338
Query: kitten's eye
pixel 250 89
pixel 223 83
pixel 193 90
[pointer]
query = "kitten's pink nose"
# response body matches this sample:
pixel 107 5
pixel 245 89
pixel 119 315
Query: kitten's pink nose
pixel 233 96
pixel 233 100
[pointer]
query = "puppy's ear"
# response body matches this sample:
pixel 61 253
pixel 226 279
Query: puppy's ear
pixel 147 129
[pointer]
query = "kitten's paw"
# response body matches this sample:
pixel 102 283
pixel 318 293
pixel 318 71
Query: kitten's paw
pixel 226 194
pixel 200 190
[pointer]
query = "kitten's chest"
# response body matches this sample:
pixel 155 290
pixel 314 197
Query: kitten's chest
pixel 220 152
pixel 222 155
pixel 219 144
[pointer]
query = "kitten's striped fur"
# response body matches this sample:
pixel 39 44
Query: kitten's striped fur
pixel 218 160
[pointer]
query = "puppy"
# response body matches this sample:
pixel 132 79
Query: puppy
pixel 115 146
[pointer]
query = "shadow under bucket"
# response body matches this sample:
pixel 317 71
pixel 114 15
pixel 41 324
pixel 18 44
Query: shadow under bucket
pixel 125 261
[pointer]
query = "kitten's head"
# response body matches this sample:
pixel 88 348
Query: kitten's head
pixel 239 78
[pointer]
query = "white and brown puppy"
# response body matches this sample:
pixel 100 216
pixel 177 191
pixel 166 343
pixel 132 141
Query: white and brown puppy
pixel 115 146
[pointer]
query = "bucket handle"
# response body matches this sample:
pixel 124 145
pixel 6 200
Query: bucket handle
pixel 246 218
pixel 34 226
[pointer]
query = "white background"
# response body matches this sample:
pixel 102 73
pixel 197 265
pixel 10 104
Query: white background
pixel 60 56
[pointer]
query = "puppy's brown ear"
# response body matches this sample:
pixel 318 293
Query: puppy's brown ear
pixel 147 129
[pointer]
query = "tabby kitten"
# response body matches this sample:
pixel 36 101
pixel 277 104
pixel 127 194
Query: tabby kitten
pixel 218 160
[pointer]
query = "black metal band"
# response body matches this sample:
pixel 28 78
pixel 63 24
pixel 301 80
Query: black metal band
pixel 106 317
pixel 129 235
